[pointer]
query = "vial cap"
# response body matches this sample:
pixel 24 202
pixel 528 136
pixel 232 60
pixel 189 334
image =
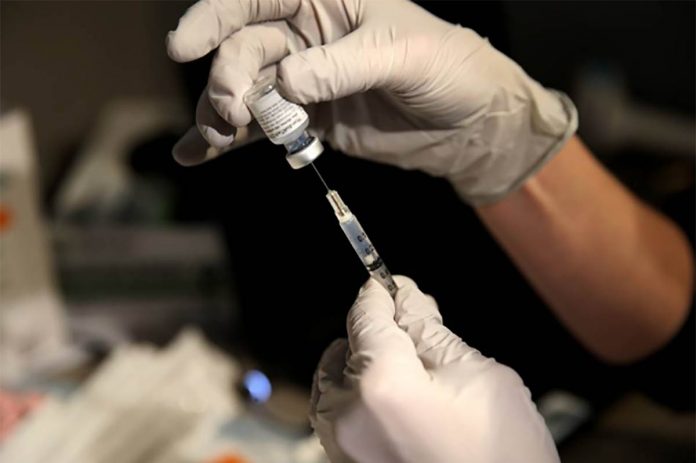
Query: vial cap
pixel 306 155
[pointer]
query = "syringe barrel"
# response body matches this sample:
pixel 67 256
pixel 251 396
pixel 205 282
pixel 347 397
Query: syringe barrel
pixel 367 252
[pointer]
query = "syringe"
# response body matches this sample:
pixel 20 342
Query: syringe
pixel 286 123
pixel 359 240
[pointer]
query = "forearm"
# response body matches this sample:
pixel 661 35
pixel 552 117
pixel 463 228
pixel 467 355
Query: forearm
pixel 616 273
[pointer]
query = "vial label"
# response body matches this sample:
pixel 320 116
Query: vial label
pixel 277 116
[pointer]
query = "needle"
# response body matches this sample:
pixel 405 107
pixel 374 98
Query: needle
pixel 320 177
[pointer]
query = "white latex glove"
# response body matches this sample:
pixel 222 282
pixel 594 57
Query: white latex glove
pixel 405 389
pixel 395 84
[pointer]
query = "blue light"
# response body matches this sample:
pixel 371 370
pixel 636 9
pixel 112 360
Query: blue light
pixel 258 386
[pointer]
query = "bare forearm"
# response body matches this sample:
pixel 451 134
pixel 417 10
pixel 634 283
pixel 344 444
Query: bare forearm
pixel 617 273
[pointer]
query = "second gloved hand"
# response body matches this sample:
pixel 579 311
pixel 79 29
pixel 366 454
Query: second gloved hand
pixel 405 389
pixel 385 80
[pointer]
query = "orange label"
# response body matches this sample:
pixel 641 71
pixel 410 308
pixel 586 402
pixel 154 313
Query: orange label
pixel 229 458
pixel 5 218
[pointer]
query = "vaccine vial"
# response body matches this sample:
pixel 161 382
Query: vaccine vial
pixel 283 122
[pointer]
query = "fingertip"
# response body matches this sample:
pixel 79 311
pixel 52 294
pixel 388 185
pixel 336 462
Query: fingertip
pixel 369 285
pixel 196 34
pixel 192 149
pixel 170 47
pixel 373 303
pixel 328 72
pixel 338 345
pixel 176 49
pixel 407 288
pixel 232 110
pixel 336 350
pixel 373 293
pixel 404 282
pixel 293 78
pixel 331 364
pixel 217 131
pixel 407 292
pixel 333 355
pixel 216 138
pixel 412 303
pixel 226 99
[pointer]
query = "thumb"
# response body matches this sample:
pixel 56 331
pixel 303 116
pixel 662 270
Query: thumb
pixel 339 69
pixel 376 342
pixel 418 315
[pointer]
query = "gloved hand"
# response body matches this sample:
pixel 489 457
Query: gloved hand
pixel 391 83
pixel 405 389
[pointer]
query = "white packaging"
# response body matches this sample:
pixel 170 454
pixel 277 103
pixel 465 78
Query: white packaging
pixel 33 331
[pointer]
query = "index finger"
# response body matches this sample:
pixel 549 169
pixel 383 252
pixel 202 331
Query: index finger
pixel 207 23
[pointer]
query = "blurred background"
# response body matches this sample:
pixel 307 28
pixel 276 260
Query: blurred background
pixel 129 279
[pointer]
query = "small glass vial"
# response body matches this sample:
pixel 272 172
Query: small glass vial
pixel 283 122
